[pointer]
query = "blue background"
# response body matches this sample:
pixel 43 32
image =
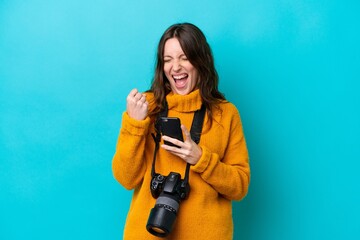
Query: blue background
pixel 291 67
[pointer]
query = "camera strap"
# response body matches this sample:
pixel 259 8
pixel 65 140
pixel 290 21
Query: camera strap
pixel 195 132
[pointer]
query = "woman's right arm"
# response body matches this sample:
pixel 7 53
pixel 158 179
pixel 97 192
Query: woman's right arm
pixel 128 163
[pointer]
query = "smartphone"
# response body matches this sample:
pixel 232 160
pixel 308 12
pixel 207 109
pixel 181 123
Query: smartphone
pixel 170 126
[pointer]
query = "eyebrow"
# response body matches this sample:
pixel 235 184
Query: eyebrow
pixel 181 55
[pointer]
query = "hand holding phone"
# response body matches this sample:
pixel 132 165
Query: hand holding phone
pixel 170 126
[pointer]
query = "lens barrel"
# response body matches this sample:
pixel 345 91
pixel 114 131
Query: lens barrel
pixel 163 215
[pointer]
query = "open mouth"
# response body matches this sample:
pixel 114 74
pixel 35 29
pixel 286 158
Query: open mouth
pixel 180 80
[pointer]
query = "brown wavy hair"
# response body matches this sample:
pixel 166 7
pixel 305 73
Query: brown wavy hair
pixel 198 52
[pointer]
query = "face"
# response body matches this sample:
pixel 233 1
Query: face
pixel 181 74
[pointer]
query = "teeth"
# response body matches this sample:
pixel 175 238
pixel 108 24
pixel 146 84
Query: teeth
pixel 177 77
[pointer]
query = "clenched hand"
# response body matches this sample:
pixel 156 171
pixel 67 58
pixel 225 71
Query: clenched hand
pixel 136 105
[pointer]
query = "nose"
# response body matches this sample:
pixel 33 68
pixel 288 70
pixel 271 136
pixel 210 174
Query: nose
pixel 176 66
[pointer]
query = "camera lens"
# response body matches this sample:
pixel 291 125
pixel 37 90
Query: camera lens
pixel 163 215
pixel 158 231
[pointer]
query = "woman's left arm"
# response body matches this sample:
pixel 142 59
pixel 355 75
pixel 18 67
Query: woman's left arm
pixel 230 176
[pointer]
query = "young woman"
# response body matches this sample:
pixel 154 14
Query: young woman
pixel 185 80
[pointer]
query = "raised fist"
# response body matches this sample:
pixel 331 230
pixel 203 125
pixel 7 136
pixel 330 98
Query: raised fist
pixel 136 105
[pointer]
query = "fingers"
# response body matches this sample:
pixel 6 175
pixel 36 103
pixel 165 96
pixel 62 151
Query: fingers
pixel 136 98
pixel 132 95
pixel 137 106
pixel 189 151
pixel 184 145
pixel 174 141
pixel 136 95
pixel 142 98
pixel 133 92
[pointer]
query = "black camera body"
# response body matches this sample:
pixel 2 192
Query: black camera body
pixel 169 191
pixel 172 184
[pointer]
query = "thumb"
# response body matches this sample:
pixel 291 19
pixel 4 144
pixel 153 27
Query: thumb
pixel 186 132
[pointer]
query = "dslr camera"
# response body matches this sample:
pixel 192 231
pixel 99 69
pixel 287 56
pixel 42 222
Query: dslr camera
pixel 169 191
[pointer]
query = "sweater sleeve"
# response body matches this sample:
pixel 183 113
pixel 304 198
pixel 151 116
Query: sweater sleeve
pixel 230 176
pixel 128 163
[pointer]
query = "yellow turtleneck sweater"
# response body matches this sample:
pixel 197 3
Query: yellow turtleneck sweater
pixel 221 175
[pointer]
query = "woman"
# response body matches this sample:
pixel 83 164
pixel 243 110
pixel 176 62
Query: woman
pixel 185 78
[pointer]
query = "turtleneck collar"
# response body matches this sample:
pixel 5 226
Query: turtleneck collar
pixel 184 103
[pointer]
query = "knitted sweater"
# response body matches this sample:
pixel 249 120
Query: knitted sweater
pixel 222 174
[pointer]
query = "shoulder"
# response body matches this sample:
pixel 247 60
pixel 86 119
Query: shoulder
pixel 226 113
pixel 227 107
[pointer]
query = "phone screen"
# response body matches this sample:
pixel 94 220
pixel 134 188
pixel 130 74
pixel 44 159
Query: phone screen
pixel 170 126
